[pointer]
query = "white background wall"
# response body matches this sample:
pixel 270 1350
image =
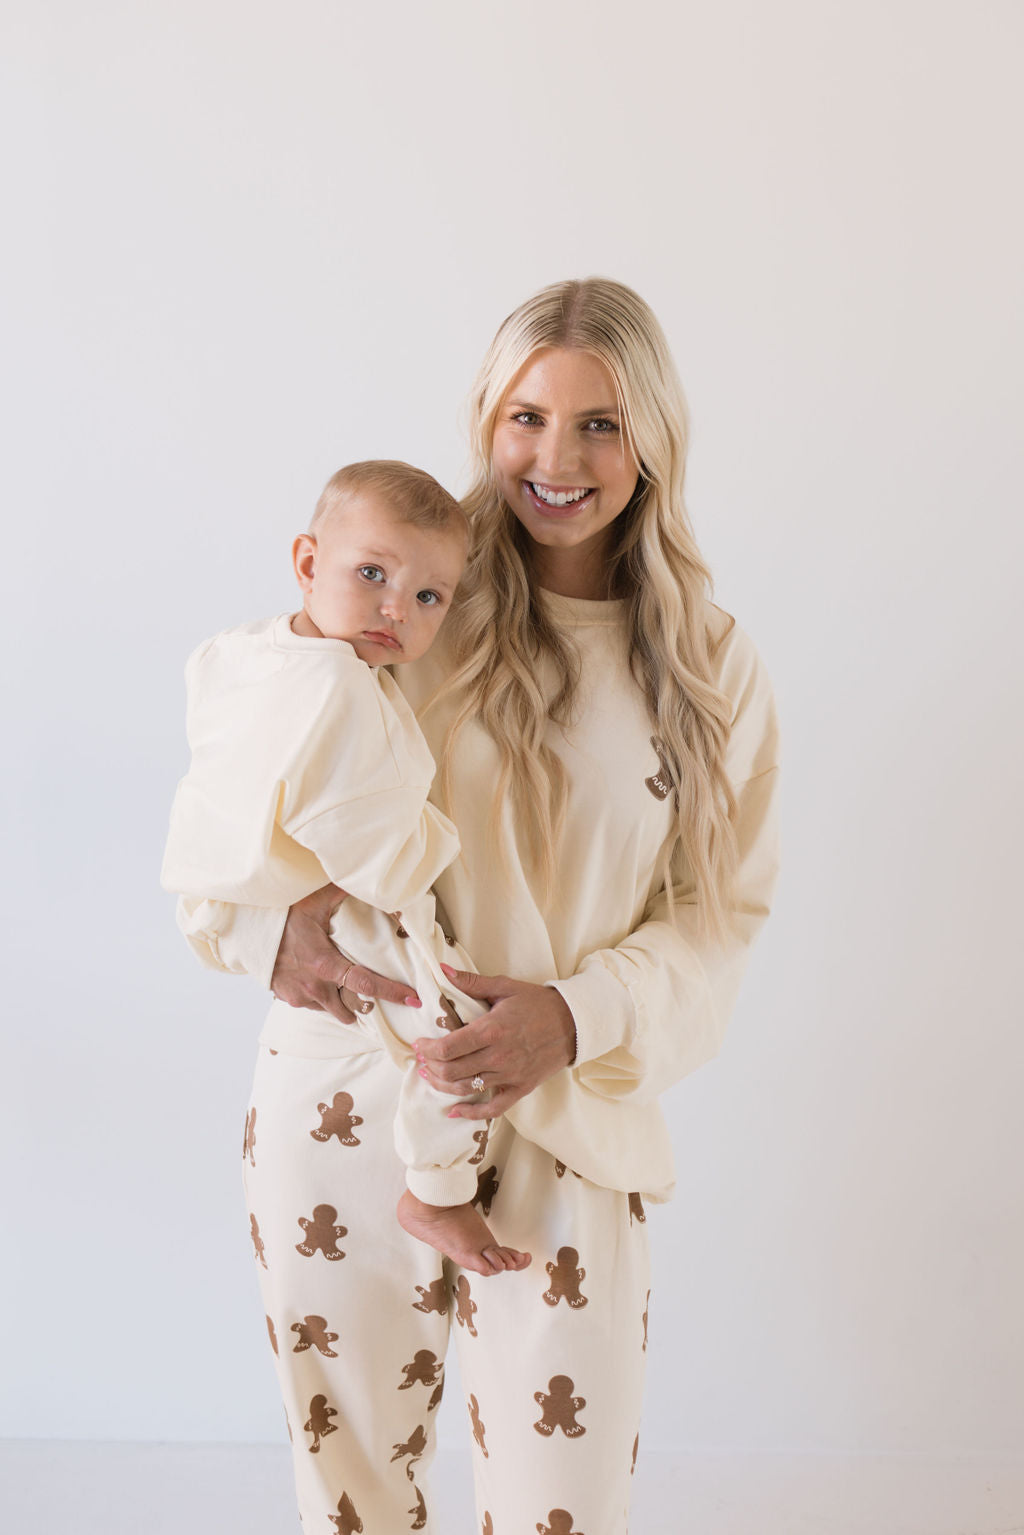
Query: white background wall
pixel 250 242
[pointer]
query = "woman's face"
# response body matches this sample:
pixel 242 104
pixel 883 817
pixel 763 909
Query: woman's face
pixel 562 464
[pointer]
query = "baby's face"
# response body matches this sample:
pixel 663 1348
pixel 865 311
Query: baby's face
pixel 382 584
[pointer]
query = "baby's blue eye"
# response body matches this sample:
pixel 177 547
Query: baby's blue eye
pixel 428 599
pixel 371 573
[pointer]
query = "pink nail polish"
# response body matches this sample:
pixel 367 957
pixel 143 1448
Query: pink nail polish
pixel 413 1002
pixel 422 1071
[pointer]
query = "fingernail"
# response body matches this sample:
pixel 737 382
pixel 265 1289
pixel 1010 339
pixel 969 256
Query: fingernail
pixel 413 1002
pixel 422 1071
pixel 448 970
pixel 454 1114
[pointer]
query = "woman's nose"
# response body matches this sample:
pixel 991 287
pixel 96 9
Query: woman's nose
pixel 557 455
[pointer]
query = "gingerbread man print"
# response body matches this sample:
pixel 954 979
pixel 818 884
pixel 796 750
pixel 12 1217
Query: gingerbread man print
pixel 566 1279
pixel 420 1511
pixel 423 1370
pixel 478 1426
pixel 413 1447
pixel 312 1331
pixel 487 1185
pixel 636 1446
pixel 434 1298
pixel 273 1334
pixel 480 1136
pixel 337 1119
pixel 436 1395
pixel 647 1307
pixel 257 1240
pixel 319 1422
pixel 559 1523
pixel 322 1234
pixel 487 1528
pixel 559 1408
pixel 465 1305
pixel 660 783
pixel 449 1018
pixel 249 1138
pixel 346 1521
pixel 636 1207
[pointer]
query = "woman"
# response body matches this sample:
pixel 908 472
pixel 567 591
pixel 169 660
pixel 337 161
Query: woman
pixel 608 747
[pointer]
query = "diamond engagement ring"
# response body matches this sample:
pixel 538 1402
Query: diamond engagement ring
pixel 477 1084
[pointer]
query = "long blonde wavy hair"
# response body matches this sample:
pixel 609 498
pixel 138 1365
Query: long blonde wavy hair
pixel 500 629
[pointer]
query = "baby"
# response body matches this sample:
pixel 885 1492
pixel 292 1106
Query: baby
pixel 308 766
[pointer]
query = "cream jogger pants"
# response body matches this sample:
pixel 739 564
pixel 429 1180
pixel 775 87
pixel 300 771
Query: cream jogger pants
pixel 359 1315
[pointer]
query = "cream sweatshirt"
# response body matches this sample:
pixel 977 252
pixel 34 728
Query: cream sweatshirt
pixel 649 997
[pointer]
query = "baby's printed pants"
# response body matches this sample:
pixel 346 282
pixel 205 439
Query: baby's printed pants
pixel 359 1315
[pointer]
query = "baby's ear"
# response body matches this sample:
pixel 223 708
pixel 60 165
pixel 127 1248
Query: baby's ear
pixel 304 560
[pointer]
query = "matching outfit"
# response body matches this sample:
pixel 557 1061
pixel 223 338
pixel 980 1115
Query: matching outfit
pixel 551 1358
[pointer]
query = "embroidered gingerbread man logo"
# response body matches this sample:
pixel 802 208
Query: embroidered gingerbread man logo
pixel 559 1523
pixel 346 1520
pixel 566 1279
pixel 413 1447
pixel 249 1138
pixel 487 1185
pixel 337 1119
pixel 319 1423
pixel 423 1370
pixel 465 1305
pixel 273 1334
pixel 312 1331
pixel 559 1408
pixel 257 1240
pixel 636 1207
pixel 434 1298
pixel 420 1511
pixel 660 783
pixel 478 1426
pixel 322 1234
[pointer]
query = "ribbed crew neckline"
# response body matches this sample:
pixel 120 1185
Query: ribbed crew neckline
pixel 583 610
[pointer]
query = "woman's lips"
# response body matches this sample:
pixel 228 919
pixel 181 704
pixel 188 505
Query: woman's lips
pixel 548 509
pixel 382 637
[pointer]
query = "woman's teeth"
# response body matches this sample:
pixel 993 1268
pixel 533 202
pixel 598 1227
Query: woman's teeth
pixel 558 497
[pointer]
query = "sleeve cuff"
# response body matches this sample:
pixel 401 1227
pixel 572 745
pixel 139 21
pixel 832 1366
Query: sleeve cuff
pixel 602 1009
pixel 248 939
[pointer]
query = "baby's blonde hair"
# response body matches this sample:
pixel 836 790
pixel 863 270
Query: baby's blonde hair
pixel 413 495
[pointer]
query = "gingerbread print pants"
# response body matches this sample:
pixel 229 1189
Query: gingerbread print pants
pixel 359 1316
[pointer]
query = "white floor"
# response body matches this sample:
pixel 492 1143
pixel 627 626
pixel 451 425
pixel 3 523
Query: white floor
pixel 52 1487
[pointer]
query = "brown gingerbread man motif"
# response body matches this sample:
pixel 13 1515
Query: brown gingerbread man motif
pixel 338 1119
pixel 480 1136
pixel 319 1422
pixel 273 1334
pixel 561 1169
pixel 346 1520
pixel 487 1185
pixel 647 1307
pixel 322 1234
pixel 559 1523
pixel 465 1305
pixel 413 1447
pixel 423 1370
pixel 435 1298
pixel 312 1331
pixel 436 1395
pixel 396 917
pixel 479 1428
pixel 660 783
pixel 420 1511
pixel 636 1446
pixel 257 1241
pixel 449 1018
pixel 636 1207
pixel 559 1408
pixel 566 1279
pixel 487 1528
pixel 249 1138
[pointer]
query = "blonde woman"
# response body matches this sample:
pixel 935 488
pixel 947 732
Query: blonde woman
pixel 608 752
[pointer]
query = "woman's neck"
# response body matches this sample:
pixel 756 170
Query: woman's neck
pixel 572 572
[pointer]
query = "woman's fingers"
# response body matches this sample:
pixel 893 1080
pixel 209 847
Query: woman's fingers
pixel 501 1099
pixel 311 972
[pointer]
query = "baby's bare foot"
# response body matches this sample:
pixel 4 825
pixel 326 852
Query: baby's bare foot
pixel 461 1233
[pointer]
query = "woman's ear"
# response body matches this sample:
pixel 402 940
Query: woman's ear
pixel 304 560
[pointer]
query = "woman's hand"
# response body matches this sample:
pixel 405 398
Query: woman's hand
pixel 310 971
pixel 526 1037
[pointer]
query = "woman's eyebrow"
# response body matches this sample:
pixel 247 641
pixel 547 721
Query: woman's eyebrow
pixel 540 410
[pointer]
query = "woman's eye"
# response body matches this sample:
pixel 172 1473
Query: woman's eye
pixel 428 599
pixel 601 426
pixel 371 572
pixel 526 418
